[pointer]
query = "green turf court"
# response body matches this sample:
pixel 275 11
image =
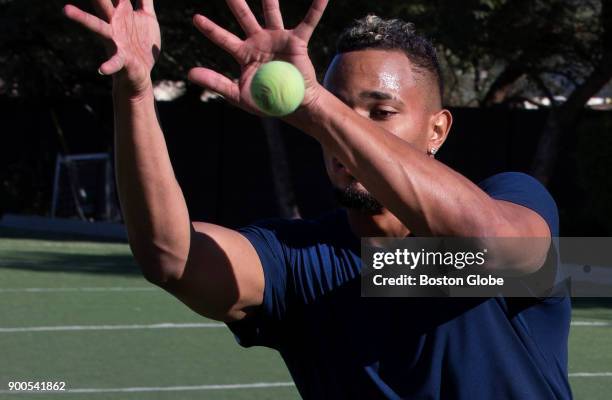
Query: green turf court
pixel 80 312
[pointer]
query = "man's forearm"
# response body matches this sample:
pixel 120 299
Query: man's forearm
pixel 152 202
pixel 424 194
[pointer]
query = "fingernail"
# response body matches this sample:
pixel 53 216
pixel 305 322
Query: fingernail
pixel 100 72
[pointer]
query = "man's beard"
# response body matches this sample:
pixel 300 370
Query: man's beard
pixel 354 198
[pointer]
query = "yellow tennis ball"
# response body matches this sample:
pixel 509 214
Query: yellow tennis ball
pixel 278 88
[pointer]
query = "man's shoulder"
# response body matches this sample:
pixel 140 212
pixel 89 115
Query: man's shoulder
pixel 510 180
pixel 523 189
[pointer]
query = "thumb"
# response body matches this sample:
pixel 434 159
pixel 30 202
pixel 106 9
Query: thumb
pixel 113 65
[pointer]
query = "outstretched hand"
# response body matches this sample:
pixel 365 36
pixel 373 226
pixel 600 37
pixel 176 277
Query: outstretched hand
pixel 262 44
pixel 131 37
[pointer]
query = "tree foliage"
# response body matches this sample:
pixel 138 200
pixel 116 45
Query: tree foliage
pixel 493 51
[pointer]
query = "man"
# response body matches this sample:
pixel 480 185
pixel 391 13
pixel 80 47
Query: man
pixel 294 285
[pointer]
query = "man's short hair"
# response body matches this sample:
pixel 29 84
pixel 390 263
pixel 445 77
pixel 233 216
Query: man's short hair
pixel 373 32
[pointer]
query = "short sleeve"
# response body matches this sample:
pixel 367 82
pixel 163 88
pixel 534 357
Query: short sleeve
pixel 524 190
pixel 260 328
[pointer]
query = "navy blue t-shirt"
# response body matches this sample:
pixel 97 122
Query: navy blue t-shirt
pixel 338 345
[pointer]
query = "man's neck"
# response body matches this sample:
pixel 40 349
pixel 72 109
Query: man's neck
pixel 384 224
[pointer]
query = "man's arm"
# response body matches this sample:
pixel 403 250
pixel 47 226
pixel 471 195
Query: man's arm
pixel 428 196
pixel 213 270
pixel 424 194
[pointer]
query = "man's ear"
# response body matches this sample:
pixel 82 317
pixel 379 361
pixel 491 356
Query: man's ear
pixel 440 125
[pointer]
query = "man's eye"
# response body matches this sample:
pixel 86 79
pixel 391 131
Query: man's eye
pixel 380 113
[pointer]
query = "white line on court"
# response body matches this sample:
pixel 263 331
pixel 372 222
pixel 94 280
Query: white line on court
pixel 590 374
pixel 169 325
pixel 591 323
pixel 80 289
pixel 256 385
pixel 109 327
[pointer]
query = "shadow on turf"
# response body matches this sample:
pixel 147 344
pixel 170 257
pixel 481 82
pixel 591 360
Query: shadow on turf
pixel 13 233
pixel 592 302
pixel 77 263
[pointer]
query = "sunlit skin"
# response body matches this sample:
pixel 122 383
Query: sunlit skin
pixel 374 113
pixel 385 87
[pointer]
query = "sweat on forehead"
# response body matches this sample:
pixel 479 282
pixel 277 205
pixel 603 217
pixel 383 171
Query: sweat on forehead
pixel 388 67
pixel 373 32
pixel 391 71
pixel 389 81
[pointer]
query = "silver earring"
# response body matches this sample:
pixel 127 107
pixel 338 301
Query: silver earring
pixel 433 151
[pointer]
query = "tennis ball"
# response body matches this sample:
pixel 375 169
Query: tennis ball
pixel 278 88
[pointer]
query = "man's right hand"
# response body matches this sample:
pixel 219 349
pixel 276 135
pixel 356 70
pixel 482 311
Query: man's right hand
pixel 131 36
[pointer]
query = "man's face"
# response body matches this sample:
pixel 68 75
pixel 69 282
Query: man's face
pixel 382 86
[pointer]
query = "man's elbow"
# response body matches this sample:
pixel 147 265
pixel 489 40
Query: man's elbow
pixel 159 266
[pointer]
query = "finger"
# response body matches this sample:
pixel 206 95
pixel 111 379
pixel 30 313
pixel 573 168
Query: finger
pixel 147 6
pixel 89 21
pixel 272 14
pixel 245 16
pixel 104 8
pixel 113 65
pixel 216 82
pixel 307 26
pixel 219 36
